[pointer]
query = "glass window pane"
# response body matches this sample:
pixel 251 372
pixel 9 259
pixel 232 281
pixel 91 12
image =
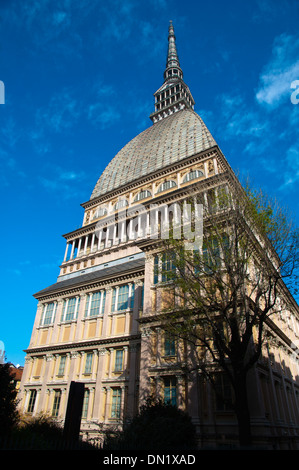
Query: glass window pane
pixel 123 297
pixel 119 353
pixel 61 365
pixel 116 403
pixel 56 403
pixel 88 363
pixel 85 404
pixel 31 401
pixel 170 391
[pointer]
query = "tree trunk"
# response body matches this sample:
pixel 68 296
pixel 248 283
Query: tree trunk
pixel 242 410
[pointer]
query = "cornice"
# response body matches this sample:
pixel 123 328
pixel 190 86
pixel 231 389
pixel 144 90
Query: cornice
pixel 205 183
pixel 152 176
pixel 89 284
pixel 82 345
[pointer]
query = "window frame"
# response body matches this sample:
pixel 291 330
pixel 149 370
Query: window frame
pixel 127 303
pixel 56 403
pixel 144 194
pixel 85 403
pixel 169 345
pixel 88 363
pixel 48 315
pixel 171 390
pixel 62 364
pixel 119 360
pixel 92 310
pixel 164 186
pixel 116 399
pixel 192 175
pixel 32 401
pixel 70 312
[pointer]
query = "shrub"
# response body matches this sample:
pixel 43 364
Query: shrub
pixel 158 426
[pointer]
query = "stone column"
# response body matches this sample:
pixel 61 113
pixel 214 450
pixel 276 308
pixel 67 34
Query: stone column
pixel 110 362
pixel 92 242
pixel 99 395
pixel 107 405
pixel 85 245
pixel 106 315
pixel 66 250
pixel 73 249
pixel 80 324
pixel 37 321
pixel 148 281
pixel 91 401
pixel 180 398
pixel 79 246
pixel 131 396
pixel 58 315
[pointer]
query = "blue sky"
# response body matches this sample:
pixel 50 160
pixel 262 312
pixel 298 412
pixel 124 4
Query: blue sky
pixel 79 79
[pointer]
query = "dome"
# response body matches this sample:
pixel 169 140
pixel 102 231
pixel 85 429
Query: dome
pixel 170 140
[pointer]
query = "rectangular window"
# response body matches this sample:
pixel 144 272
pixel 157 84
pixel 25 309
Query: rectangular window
pixel 119 355
pixel 122 298
pixel 61 365
pixel 56 403
pixel 116 403
pixel 48 314
pixel 113 302
pixel 211 256
pixel 223 393
pixel 70 309
pixel 85 404
pixel 95 304
pixel 32 400
pixel 88 363
pixel 169 345
pixel 168 267
pixel 170 391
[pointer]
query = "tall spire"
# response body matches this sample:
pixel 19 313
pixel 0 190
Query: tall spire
pixel 172 55
pixel 174 94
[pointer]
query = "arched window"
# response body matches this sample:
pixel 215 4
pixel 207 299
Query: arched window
pixel 142 195
pixel 100 212
pixel 166 185
pixel 192 175
pixel 120 204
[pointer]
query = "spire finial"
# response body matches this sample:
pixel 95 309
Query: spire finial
pixel 172 55
pixel 174 95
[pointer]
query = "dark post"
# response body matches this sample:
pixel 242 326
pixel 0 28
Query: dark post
pixel 72 422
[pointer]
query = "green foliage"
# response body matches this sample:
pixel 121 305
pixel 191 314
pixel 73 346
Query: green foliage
pixel 8 405
pixel 158 426
pixel 40 432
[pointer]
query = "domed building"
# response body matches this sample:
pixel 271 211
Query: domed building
pixel 93 324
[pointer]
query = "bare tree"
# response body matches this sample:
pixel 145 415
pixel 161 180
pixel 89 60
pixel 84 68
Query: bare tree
pixel 228 287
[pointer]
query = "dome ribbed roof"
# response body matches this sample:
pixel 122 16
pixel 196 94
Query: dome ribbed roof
pixel 168 141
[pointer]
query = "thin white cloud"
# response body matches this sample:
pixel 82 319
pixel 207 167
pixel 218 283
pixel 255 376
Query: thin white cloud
pixel 61 113
pixel 280 72
pixel 103 117
pixel 239 119
pixel 291 172
pixel 61 181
